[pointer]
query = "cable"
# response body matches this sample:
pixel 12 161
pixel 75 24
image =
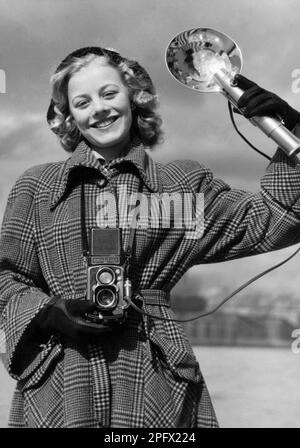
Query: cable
pixel 244 285
pixel 213 310
pixel 241 135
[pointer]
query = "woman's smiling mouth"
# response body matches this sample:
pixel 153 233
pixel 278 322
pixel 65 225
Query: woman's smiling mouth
pixel 103 124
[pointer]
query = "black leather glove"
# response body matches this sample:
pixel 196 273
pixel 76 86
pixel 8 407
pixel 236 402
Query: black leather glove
pixel 257 102
pixel 67 317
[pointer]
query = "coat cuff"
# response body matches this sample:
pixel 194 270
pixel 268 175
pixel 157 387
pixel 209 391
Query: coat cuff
pixel 15 321
pixel 282 181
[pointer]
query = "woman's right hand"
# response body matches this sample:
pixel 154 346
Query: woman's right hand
pixel 257 102
pixel 67 317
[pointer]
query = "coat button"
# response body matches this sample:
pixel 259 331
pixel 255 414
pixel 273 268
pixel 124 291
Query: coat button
pixel 101 182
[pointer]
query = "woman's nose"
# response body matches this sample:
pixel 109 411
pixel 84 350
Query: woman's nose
pixel 100 105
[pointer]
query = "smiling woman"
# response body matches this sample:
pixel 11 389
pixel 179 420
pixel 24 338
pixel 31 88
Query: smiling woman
pixel 100 105
pixel 92 84
pixel 90 335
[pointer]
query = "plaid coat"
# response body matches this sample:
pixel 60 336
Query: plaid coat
pixel 147 375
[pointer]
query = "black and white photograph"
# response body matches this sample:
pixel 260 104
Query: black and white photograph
pixel 150 216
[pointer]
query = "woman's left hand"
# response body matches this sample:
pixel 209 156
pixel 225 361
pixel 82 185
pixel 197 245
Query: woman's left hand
pixel 257 102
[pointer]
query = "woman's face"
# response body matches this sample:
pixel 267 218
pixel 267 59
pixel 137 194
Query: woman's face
pixel 99 103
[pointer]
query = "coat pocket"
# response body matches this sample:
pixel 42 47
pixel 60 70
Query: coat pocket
pixel 43 398
pixel 169 339
pixel 43 364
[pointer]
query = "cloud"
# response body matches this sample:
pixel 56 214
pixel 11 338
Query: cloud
pixel 12 125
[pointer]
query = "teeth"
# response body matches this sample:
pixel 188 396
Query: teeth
pixel 104 123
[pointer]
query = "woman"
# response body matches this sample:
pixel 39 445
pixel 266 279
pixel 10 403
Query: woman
pixel 143 373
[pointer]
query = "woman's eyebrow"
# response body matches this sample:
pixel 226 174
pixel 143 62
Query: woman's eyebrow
pixel 110 84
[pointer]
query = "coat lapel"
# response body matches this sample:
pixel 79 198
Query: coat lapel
pixel 83 157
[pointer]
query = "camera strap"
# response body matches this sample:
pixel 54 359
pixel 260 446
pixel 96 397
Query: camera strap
pixel 84 237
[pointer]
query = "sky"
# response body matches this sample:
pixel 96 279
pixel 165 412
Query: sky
pixel 35 35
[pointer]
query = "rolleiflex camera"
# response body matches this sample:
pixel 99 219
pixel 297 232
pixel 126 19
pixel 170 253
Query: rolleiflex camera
pixel 106 285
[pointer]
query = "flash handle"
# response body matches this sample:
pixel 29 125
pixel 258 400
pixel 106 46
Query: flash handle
pixel 272 127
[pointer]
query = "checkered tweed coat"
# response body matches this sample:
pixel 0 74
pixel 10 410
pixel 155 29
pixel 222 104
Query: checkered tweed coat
pixel 147 375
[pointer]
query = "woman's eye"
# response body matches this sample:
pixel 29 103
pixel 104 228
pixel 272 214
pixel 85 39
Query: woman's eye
pixel 81 104
pixel 110 94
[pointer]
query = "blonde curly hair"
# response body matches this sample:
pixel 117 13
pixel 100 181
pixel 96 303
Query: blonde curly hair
pixel 146 123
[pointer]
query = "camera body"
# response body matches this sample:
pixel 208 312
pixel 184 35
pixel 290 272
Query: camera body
pixel 106 285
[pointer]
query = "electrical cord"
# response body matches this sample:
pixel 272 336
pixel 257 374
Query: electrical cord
pixel 244 285
pixel 213 310
pixel 241 135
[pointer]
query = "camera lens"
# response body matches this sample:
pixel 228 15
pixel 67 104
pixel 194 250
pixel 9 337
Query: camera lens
pixel 105 298
pixel 105 276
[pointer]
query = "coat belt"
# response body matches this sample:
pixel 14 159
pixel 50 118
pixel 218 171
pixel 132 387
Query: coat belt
pixel 154 297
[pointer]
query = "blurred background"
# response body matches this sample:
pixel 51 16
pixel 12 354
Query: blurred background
pixel 245 349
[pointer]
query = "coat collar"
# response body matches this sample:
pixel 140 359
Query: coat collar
pixel 83 157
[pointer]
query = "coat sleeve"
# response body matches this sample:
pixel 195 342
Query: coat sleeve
pixel 238 223
pixel 23 291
